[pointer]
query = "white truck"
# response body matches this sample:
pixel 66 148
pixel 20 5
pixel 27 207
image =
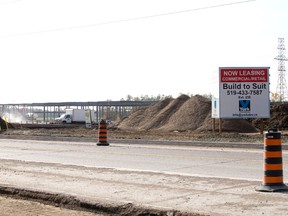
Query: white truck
pixel 77 116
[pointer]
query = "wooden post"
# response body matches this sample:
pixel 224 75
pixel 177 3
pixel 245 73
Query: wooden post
pixel 261 126
pixel 220 125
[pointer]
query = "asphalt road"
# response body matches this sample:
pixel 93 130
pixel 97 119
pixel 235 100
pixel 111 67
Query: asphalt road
pixel 197 161
pixel 209 181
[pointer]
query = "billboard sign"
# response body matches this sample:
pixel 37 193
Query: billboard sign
pixel 244 92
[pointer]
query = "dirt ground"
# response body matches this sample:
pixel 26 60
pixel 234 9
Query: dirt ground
pixel 79 131
pixel 10 206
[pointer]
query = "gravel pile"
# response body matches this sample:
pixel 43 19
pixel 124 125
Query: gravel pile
pixel 191 114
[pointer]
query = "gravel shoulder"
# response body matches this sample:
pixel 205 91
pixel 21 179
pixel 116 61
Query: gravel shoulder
pixel 80 133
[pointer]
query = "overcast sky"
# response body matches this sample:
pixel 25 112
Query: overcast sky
pixel 92 50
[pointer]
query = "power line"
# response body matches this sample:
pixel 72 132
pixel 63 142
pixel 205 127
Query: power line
pixel 8 2
pixel 127 20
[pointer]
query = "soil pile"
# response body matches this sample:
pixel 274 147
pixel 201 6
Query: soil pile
pixel 278 118
pixel 228 125
pixel 154 116
pixel 192 114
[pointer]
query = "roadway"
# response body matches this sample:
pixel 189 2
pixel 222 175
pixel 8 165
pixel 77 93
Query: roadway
pixel 198 161
pixel 161 176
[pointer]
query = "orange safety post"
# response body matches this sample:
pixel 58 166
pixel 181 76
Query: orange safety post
pixel 102 131
pixel 273 163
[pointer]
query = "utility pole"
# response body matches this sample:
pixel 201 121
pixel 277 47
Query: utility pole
pixel 281 89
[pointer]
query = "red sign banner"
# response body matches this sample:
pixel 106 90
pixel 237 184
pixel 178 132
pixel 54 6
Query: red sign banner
pixel 244 75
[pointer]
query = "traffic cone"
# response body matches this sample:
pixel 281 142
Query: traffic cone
pixel 102 134
pixel 273 163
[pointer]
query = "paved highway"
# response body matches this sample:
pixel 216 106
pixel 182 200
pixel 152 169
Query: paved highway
pixel 113 176
pixel 195 161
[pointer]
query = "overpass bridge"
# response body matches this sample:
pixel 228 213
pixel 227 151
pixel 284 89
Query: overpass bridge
pixel 47 112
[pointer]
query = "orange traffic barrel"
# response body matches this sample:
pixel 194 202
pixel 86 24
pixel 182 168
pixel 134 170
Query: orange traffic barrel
pixel 273 163
pixel 102 134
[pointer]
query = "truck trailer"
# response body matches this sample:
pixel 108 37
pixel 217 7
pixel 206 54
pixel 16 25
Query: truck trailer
pixel 77 116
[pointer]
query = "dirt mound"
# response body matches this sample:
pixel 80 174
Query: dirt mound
pixel 161 119
pixel 278 119
pixel 154 116
pixel 192 114
pixel 228 125
pixel 143 116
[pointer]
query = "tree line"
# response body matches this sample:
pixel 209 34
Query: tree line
pixel 146 98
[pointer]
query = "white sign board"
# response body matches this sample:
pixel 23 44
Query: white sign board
pixel 215 107
pixel 244 92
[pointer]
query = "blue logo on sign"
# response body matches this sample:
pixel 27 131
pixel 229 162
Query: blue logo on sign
pixel 244 105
